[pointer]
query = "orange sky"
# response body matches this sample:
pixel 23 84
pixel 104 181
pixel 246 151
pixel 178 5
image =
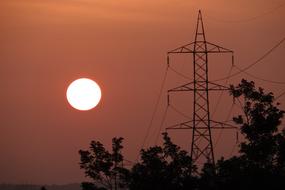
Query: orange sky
pixel 45 44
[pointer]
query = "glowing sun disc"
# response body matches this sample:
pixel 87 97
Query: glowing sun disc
pixel 83 94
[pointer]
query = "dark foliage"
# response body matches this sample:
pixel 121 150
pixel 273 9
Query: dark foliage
pixel 38 187
pixel 103 167
pixel 165 167
pixel 260 164
pixel 90 186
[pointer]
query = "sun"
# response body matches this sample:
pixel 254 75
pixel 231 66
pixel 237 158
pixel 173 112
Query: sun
pixel 83 94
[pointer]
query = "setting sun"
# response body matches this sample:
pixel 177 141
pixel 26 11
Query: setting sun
pixel 83 94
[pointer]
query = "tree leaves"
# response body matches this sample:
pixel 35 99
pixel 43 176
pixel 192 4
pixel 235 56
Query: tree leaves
pixel 103 167
pixel 262 160
pixel 261 163
pixel 166 167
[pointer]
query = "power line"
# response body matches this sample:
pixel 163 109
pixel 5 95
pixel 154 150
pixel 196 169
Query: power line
pixel 161 124
pixel 259 78
pixel 221 94
pixel 129 162
pixel 279 96
pixel 251 18
pixel 179 112
pixel 254 63
pixel 155 109
pixel 232 150
pixel 227 118
pixel 179 73
pixel 237 136
pixel 240 104
pixel 218 102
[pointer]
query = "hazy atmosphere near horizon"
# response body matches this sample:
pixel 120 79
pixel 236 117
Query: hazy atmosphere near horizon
pixel 122 45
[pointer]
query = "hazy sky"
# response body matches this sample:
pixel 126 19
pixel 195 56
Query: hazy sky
pixel 122 44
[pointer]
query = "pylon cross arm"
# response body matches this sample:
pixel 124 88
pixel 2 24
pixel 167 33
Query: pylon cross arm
pixel 190 48
pixel 213 48
pixel 213 125
pixel 190 87
pixel 221 125
pixel 184 125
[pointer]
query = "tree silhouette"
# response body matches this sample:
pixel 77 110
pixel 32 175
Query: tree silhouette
pixel 103 167
pixel 259 124
pixel 165 167
pixel 90 186
pixel 262 154
pixel 259 165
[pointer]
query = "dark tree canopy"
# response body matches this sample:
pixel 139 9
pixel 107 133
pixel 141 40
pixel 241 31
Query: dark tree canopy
pixel 260 124
pixel 261 161
pixel 166 167
pixel 103 167
pixel 259 165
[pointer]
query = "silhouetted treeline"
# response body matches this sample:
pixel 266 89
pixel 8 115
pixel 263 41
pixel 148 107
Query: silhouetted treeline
pixel 39 187
pixel 259 165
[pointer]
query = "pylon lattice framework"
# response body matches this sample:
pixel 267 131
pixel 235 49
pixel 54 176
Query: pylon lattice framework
pixel 201 123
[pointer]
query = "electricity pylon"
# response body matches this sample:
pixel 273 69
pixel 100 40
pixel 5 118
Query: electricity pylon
pixel 201 123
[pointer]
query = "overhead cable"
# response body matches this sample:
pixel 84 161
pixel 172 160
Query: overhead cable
pixel 254 63
pixel 259 78
pixel 250 18
pixel 155 109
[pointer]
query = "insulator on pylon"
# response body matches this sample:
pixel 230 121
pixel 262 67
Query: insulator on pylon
pixel 168 103
pixel 168 61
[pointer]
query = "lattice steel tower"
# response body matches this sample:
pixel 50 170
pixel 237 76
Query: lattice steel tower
pixel 201 123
